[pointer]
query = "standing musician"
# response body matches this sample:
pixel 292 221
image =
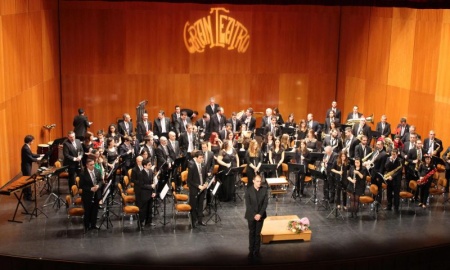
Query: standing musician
pixel 212 107
pixel 266 146
pixel 186 144
pixel 334 141
pixel 413 159
pixel 383 127
pixel 217 121
pixel 290 122
pixel 165 158
pixel 394 166
pixel 27 162
pixel 91 183
pixel 253 159
pixel 137 169
pixel 335 110
pixel 432 145
pixel 376 167
pixel 356 186
pixel 145 191
pixel 302 130
pixel 223 134
pixel 87 146
pixel 149 146
pixel 331 118
pixel 100 142
pixel 363 129
pixel 341 166
pixel 125 126
pixel 277 114
pixel 80 124
pixel 446 158
pixel 174 144
pixel 203 127
pixel 182 123
pixel 411 131
pixel 126 151
pixel 350 142
pixel 73 152
pixel 362 149
pixel 235 123
pixel 266 120
pixel 314 125
pixel 354 114
pixel 276 156
pixel 302 157
pixel 402 127
pixel 197 182
pixel 161 125
pixel 273 127
pixel 426 170
pixel 228 158
pixel 208 162
pixel 249 120
pixel 143 127
pixel 327 164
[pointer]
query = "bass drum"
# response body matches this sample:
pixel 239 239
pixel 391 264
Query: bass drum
pixel 43 148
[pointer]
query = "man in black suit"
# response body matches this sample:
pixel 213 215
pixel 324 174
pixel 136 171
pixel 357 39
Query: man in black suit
pixel 256 200
pixel 432 145
pixel 91 183
pixel 249 120
pixel 235 123
pixel 197 182
pixel 127 153
pixel 378 159
pixel 211 109
pixel 335 110
pixel 394 181
pixel 203 127
pixel 273 127
pixel 362 149
pixel 314 125
pixel 143 127
pixel 176 115
pixel 331 118
pixel 144 189
pixel 329 188
pixel 181 123
pixel 350 142
pixel 161 125
pixel 136 169
pixel 383 127
pixel 223 134
pixel 411 131
pixel 402 128
pixel 125 126
pixel 174 144
pixel 80 124
pixel 267 119
pixel 73 152
pixel 27 162
pixel 209 162
pixel 362 129
pixel 354 114
pixel 414 156
pixel 149 146
pixel 408 145
pixel 165 160
pixel 217 121
pixel 333 141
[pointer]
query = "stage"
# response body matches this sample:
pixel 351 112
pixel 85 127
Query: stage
pixel 406 241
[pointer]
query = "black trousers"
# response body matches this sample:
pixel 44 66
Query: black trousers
pixel 377 180
pixel 329 188
pixel 196 205
pixel 393 193
pixel 254 234
pixel 90 212
pixel 145 210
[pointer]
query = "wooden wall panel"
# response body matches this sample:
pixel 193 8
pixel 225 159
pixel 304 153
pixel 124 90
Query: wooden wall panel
pixel 378 49
pixel 294 91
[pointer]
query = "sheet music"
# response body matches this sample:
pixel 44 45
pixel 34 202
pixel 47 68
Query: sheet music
pixel 210 182
pixel 105 195
pixel 106 188
pixel 216 187
pixel 164 191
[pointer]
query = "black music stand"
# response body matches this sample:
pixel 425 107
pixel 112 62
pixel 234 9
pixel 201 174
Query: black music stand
pixel 164 196
pixel 265 168
pixel 259 132
pixel 56 194
pixel 236 171
pixel 36 211
pixel 107 201
pixel 297 169
pixel 375 135
pixel 214 202
pixel 288 130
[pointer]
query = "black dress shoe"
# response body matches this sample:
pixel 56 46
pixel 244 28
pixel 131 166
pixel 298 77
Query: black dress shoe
pixel 202 223
pixel 95 228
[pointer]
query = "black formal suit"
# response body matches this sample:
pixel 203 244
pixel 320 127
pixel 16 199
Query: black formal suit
pixel 365 130
pixel 328 122
pixel 410 169
pixel 175 146
pixel 174 117
pixel 223 134
pixel 336 143
pixel 405 150
pixel 80 126
pixel 196 177
pixel 351 146
pixel 350 116
pixel 184 143
pixel 215 124
pixel 203 126
pixel 162 157
pixel 135 173
pixel 250 122
pixel 235 125
pixel 255 204
pixel 399 130
pixel 436 145
pixel 405 137
pixel 360 152
pixel 89 197
pixel 70 153
pixel 180 125
pixel 123 129
pixel 266 121
pixel 158 128
pixel 447 167
pixel 315 126
pixel 386 132
pixel 328 186
pixel 393 186
pixel 211 111
pixel 127 158
pixel 378 168
pixel 144 188
pixel 27 163
pixel 209 161
pixel 142 129
pixel 275 129
pixel 151 151
pixel 337 114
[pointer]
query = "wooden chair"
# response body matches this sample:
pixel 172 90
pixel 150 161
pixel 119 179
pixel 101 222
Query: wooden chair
pixel 439 190
pixel 244 179
pixel 182 198
pixel 72 210
pixel 77 182
pixel 366 200
pixel 180 208
pixel 129 210
pixel 128 199
pixel 128 189
pixel 76 198
pixel 406 196
pixel 184 175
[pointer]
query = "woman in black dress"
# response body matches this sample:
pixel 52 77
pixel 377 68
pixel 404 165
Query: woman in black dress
pixel 426 170
pixel 340 170
pixel 276 156
pixel 266 146
pixel 302 156
pixel 356 185
pixel 228 158
pixel 253 160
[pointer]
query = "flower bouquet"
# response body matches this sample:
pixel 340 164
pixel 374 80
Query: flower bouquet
pixel 299 225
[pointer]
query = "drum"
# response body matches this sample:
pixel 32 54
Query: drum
pixel 43 148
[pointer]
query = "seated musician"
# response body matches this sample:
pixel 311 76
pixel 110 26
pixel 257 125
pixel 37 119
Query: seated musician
pixel 276 156
pixel 290 122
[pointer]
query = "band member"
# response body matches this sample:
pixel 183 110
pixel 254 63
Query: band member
pixel 356 186
pixel 276 156
pixel 197 182
pixel 73 152
pixel 187 143
pixel 80 124
pixel 334 141
pixel 203 127
pixel 432 145
pixel 398 144
pixel 311 142
pixel 446 158
pixel 273 127
pixel 290 122
pixel 407 146
pixel 182 123
pixel 112 133
pixel 376 165
pixel 402 128
pixel 27 162
pixel 302 130
pixel 137 169
pixel 165 159
pixel 383 127
pixel 277 114
pixel 249 120
pixel 314 125
pixel 100 143
pixel 335 110
pixel 161 125
pixel 145 191
pixel 218 120
pixel 414 158
pixel 331 118
pixel 362 149
pixel 88 146
pixel 216 143
pixel 143 127
pixel 212 107
pixel 350 142
pixel 266 146
pixel 223 134
pixel 327 164
pixel 126 152
pixel 91 183
pixel 253 159
pixel 302 157
pixel 411 131
pixel 125 126
pixel 393 163
pixel 256 200
pixel 267 119
pixel 149 146
pixel 235 123
pixel 354 114
pixel 340 169
pixel 363 129
pixel 228 158
pixel 176 115
pixel 425 171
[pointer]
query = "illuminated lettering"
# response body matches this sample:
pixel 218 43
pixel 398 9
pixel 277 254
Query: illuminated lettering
pixel 216 30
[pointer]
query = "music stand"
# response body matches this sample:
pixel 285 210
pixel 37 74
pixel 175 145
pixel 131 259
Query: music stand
pixel 259 132
pixel 163 196
pixel 57 199
pixel 213 206
pixel 107 201
pixel 177 163
pixel 288 130
pixel 297 169
pixel 375 134
pixel 265 168
pixel 235 171
pixel 36 211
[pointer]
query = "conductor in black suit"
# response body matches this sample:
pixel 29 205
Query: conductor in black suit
pixel 80 124
pixel 145 192
pixel 91 183
pixel 27 162
pixel 256 200
pixel 197 182
pixel 73 152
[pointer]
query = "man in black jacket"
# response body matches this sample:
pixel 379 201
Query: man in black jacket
pixel 91 184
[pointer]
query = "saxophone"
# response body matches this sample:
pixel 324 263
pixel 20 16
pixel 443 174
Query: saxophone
pixel 391 173
pixel 367 157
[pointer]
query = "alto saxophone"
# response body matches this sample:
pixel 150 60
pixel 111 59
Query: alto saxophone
pixel 391 173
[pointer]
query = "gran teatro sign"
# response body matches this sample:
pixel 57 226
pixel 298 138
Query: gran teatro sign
pixel 216 30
